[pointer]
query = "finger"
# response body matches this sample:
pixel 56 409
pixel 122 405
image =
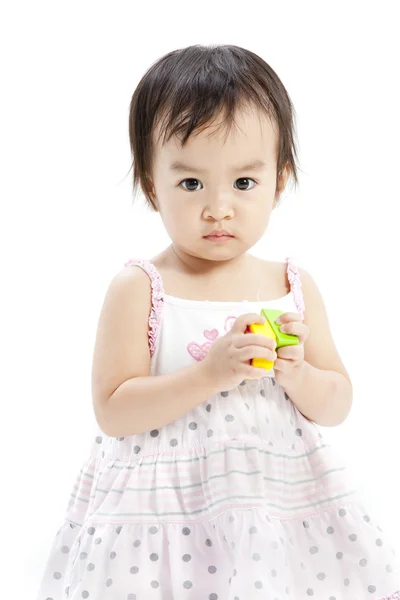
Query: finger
pixel 249 352
pixel 255 339
pixel 291 352
pixel 241 323
pixel 250 372
pixel 296 328
pixel 289 316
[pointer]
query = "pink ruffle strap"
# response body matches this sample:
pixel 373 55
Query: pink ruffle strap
pixel 295 285
pixel 395 596
pixel 157 293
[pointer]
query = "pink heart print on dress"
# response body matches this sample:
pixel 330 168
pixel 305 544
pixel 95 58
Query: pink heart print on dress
pixel 200 352
pixel 211 335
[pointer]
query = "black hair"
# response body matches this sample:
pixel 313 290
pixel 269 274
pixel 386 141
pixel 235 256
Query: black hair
pixel 184 91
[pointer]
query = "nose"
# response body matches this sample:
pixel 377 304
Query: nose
pixel 218 208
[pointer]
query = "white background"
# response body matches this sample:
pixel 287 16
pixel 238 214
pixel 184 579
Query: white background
pixel 68 225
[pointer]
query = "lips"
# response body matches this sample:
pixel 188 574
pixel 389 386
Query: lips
pixel 219 233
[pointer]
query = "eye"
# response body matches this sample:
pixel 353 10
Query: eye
pixel 245 179
pixel 192 182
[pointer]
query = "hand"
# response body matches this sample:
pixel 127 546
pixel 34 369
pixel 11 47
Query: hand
pixel 228 361
pixel 290 358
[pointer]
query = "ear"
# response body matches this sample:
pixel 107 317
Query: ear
pixel 153 197
pixel 283 177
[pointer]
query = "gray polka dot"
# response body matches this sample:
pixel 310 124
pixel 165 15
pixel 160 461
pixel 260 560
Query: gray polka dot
pixel 173 442
pixel 83 555
pixel 97 541
pixel 366 518
pixel 254 430
pixel 332 597
pixel 154 556
pixel 256 556
pixel 193 425
pixel 313 549
pixel 131 597
pixel 208 542
pixel 224 394
pixel 243 382
pixel 339 555
pixel 363 562
pixel 186 531
pixel 154 584
pixel 346 582
pixel 187 585
pixel 154 433
pixel 208 407
pixel 153 529
pixel 306 524
pixel 352 537
pixel 274 545
pixel 299 432
pixel 186 557
pixel 389 569
pixel 85 594
pixel 113 555
pixel 262 392
pixel 137 543
pixel 65 549
pixel 57 575
pixel 253 529
pixel 214 597
pixel 342 512
pixel 330 530
pixel 119 529
pixel 310 592
pixel 321 576
pixel 258 585
pixel 209 432
pixel 274 573
pixel 134 570
pixel 99 439
pixel 90 567
pixel 136 449
pixel 247 406
pixel 371 589
pixel 91 530
pixel 212 569
pixel 109 582
pixel 379 542
pixel 229 418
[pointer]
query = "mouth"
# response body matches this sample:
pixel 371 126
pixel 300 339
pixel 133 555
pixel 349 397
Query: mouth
pixel 218 238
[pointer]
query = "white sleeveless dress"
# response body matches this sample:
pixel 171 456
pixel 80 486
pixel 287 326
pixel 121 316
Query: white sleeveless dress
pixel 238 499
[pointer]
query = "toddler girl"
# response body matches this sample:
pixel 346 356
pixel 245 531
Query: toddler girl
pixel 209 478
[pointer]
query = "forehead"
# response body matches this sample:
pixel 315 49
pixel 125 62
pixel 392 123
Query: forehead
pixel 252 131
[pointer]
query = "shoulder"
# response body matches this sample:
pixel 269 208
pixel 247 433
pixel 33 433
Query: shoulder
pixel 130 290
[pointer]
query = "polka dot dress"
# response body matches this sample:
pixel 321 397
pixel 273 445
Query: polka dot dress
pixel 240 498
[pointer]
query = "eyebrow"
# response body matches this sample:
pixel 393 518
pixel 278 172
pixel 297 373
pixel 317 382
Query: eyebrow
pixel 255 165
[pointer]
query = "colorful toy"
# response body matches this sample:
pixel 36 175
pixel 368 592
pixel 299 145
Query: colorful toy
pixel 272 330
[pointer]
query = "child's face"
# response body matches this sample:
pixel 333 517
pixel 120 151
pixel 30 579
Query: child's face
pixel 211 194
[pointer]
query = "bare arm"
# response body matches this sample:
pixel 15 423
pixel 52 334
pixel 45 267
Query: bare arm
pixel 145 403
pixel 127 400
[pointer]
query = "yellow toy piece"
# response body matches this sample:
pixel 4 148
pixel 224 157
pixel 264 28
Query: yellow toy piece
pixel 272 330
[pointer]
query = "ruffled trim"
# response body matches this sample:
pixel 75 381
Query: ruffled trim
pixel 395 596
pixel 157 298
pixel 295 285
